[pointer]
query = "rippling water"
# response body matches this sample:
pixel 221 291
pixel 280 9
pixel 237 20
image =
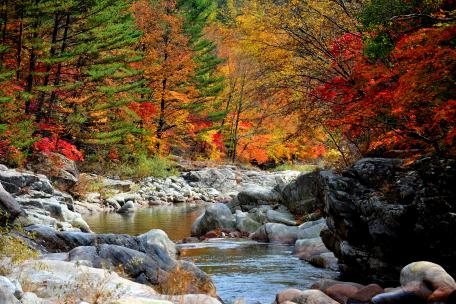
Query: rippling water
pixel 251 271
pixel 241 269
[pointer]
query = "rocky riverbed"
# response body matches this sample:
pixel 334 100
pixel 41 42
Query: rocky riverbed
pixel 372 218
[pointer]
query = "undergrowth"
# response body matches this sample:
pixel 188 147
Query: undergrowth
pixel 295 167
pixel 139 167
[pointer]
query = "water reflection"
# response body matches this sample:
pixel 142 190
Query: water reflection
pixel 176 221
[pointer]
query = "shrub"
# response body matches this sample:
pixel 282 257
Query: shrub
pixel 48 145
pixel 134 167
pixel 296 167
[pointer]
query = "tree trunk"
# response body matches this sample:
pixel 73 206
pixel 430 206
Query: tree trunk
pixel 52 52
pixel 32 62
pixel 58 73
pixel 4 17
pixel 238 117
pixel 162 121
pixel 19 47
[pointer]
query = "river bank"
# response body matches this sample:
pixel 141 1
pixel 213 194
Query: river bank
pixel 275 208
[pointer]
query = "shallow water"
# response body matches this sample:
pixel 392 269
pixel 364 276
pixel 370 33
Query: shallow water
pixel 176 221
pixel 240 269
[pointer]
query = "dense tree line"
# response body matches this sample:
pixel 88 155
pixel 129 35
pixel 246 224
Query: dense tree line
pixel 258 81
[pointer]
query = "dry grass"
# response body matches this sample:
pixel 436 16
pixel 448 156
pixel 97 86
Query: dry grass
pixel 13 251
pixel 181 282
pixel 177 282
pixel 87 184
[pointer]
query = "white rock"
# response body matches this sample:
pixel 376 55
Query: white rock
pixel 160 238
pixel 57 279
pixel 31 298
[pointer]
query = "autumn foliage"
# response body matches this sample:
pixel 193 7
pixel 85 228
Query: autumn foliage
pixel 407 104
pixel 116 81
pixel 48 145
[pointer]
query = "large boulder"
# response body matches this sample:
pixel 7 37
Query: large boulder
pixel 245 223
pixel 9 207
pixel 311 229
pixel 40 202
pixel 61 170
pixel 159 238
pixel 157 270
pixel 299 196
pixel 221 178
pixel 57 280
pixel 230 180
pixel 276 233
pixel 341 292
pixel 280 233
pixel 421 282
pixel 383 214
pixel 16 182
pixel 313 296
pixel 146 259
pixel 286 295
pixel 428 273
pixel 128 207
pixel 305 249
pixel 9 292
pixel 286 218
pixel 254 196
pixel 216 216
pixel 6 296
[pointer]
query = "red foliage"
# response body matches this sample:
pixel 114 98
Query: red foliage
pixel 145 110
pixel 114 154
pixel 347 47
pixel 199 123
pixel 408 104
pixel 48 145
pixel 6 150
pixel 217 140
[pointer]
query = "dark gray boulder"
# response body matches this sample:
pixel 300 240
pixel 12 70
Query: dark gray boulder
pixel 144 260
pixel 299 196
pixel 9 207
pixel 383 214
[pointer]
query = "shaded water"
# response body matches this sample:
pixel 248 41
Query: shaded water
pixel 240 269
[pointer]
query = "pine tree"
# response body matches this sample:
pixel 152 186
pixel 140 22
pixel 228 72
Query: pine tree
pixel 69 66
pixel 198 14
pixel 113 81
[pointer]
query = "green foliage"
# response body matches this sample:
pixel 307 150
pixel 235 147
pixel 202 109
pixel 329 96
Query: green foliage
pixel 131 166
pixel 198 15
pixel 378 47
pixel 295 167
pixel 144 166
pixel 378 12
pixel 384 21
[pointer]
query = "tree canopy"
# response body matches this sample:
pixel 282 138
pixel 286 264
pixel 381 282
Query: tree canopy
pixel 259 81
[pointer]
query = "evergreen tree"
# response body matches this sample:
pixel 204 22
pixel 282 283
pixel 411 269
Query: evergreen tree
pixel 198 14
pixel 112 81
pixel 69 66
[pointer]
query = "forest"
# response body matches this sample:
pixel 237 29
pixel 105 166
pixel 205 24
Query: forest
pixel 108 82
pixel 227 151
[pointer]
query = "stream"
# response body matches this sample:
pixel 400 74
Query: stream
pixel 240 269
